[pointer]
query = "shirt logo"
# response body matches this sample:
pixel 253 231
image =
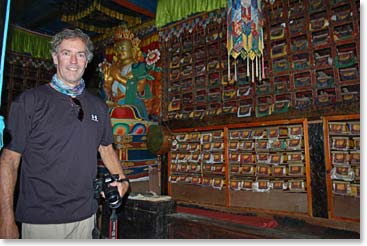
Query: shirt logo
pixel 94 117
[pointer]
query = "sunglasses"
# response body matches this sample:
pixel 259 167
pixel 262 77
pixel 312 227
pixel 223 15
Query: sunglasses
pixel 78 107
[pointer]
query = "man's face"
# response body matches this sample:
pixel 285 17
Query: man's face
pixel 71 61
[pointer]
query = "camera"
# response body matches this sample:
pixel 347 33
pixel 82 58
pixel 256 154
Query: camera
pixel 112 195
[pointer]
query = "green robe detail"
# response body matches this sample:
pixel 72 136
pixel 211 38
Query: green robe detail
pixel 139 72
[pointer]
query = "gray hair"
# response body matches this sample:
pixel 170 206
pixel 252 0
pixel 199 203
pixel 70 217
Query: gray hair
pixel 69 34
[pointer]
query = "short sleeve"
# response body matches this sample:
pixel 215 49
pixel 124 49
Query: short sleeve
pixel 107 136
pixel 19 122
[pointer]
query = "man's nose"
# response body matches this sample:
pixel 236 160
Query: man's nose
pixel 73 58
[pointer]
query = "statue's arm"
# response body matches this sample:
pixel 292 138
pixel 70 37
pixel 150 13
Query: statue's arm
pixel 116 75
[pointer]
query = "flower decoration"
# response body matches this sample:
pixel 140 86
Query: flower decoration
pixel 152 57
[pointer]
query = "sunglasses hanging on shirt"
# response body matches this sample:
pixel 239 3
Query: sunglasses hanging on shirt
pixel 79 108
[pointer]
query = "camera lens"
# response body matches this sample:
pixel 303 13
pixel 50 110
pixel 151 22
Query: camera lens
pixel 112 197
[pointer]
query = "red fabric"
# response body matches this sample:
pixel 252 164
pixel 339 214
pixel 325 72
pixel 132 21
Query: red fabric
pixel 123 112
pixel 241 219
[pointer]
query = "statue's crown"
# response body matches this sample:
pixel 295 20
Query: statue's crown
pixel 122 34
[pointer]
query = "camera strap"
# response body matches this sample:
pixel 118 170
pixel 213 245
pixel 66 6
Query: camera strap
pixel 123 180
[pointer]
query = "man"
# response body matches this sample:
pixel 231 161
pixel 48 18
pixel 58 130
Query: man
pixel 56 132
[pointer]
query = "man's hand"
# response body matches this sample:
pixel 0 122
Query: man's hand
pixel 9 164
pixel 122 187
pixel 112 162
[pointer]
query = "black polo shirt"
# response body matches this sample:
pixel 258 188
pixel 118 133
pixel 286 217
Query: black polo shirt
pixel 59 154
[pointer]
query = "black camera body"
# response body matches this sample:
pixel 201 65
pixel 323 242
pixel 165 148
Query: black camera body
pixel 112 195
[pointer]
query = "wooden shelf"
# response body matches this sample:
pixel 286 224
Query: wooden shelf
pixel 295 19
pixel 312 100
pixel 210 187
pixel 23 72
pixel 346 206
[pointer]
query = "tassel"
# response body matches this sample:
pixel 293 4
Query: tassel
pixel 235 70
pixel 248 68
pixel 263 67
pixel 252 71
pixel 228 68
pixel 260 77
pixel 256 66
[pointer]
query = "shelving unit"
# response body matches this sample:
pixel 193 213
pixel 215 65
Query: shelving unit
pixel 342 148
pixel 23 72
pixel 195 79
pixel 197 159
pixel 314 47
pixel 254 166
pixel 311 62
pixel 269 167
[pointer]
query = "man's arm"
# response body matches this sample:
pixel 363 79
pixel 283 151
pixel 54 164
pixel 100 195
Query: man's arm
pixel 9 164
pixel 112 162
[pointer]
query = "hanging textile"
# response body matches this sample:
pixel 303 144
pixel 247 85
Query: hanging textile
pixel 25 41
pixel 169 11
pixel 245 35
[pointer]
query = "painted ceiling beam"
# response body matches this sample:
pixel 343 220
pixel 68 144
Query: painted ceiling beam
pixel 134 7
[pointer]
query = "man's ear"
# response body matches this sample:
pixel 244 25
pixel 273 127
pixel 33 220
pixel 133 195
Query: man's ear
pixel 54 58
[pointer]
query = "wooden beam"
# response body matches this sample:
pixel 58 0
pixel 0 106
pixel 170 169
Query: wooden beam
pixel 134 7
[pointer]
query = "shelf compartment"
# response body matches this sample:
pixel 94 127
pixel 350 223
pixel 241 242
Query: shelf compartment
pixel 346 56
pixel 318 21
pixel 300 43
pixel 324 78
pixel 281 84
pixel 280 65
pixel 302 80
pixel 316 5
pixel 323 57
pixel 303 99
pixel 350 93
pixel 348 74
pixel 297 26
pixel 278 49
pixel 342 13
pixel 295 9
pixel 301 61
pixel 320 38
pixel 277 32
pixel 325 96
pixel 343 32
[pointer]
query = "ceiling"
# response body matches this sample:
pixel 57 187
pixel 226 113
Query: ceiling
pixel 44 16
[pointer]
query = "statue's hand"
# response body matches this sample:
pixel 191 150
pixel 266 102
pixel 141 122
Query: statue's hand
pixel 106 68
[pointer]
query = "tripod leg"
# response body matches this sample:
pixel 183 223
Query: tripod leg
pixel 113 225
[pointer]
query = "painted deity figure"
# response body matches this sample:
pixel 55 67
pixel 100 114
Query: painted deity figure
pixel 125 80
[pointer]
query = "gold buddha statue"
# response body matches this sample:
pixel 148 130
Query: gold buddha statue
pixel 125 80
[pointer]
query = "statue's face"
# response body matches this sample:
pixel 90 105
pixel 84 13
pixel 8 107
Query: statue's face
pixel 124 50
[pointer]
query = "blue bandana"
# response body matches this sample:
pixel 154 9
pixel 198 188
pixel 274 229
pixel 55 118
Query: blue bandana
pixel 67 90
